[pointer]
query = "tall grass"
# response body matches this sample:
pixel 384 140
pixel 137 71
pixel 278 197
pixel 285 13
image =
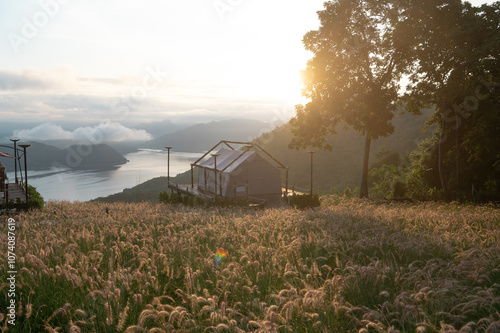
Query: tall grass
pixel 347 266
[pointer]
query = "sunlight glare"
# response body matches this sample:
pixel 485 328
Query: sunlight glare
pixel 280 81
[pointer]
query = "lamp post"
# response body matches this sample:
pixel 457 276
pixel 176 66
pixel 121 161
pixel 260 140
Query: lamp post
pixel 168 166
pixel 15 157
pixel 215 174
pixel 192 177
pixel 312 153
pixel 25 170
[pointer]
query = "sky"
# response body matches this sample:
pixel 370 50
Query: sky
pixel 130 62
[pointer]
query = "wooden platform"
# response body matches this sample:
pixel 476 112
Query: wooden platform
pixel 187 189
pixel 269 201
pixel 14 191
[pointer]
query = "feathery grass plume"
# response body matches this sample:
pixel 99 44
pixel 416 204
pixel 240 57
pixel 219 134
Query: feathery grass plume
pixel 29 310
pixel 494 327
pixel 137 299
pixel 156 330
pixel 160 299
pixel 135 329
pixel 19 311
pixel 50 329
pixel 93 294
pixel 222 327
pixel 254 324
pixel 60 311
pixel 173 316
pixel 147 314
pixel 73 328
pixel 27 271
pixel 80 313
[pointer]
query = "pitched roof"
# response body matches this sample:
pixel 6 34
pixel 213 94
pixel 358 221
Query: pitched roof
pixel 226 157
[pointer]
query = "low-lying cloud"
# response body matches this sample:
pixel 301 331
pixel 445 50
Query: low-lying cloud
pixel 104 132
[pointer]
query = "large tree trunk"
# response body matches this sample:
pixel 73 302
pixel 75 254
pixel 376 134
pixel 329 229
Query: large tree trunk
pixel 363 192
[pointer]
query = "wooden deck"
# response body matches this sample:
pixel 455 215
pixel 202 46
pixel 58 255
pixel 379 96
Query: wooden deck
pixel 187 189
pixel 270 201
pixel 14 191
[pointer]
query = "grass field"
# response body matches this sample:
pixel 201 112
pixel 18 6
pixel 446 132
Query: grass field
pixel 347 266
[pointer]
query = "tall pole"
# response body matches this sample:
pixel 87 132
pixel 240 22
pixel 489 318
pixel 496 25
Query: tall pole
pixel 15 158
pixel 192 176
pixel 286 182
pixel 312 153
pixel 168 166
pixel 215 175
pixel 25 171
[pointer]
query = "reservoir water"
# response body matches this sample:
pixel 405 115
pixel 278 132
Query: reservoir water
pixel 84 185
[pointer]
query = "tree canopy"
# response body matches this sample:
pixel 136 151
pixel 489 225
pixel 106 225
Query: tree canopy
pixel 456 70
pixel 442 54
pixel 354 76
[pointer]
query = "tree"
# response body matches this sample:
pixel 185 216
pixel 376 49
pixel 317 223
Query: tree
pixel 456 57
pixel 353 78
pixel 435 25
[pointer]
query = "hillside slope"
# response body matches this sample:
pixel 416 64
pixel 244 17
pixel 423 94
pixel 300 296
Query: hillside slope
pixel 341 167
pixel 147 191
pixel 202 137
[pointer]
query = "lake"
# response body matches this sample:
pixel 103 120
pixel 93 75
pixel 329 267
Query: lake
pixel 84 185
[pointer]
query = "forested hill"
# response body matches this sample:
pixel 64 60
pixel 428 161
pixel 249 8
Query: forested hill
pixel 342 166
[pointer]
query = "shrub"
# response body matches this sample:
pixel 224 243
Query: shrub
pixel 304 201
pixel 177 198
pixel 35 198
pixel 164 197
pixel 399 190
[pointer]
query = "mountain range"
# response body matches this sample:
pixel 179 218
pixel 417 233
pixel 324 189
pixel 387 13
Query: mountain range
pixel 162 127
pixel 202 137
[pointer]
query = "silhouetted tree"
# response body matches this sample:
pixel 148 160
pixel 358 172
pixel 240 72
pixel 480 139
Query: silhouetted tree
pixel 456 70
pixel 360 52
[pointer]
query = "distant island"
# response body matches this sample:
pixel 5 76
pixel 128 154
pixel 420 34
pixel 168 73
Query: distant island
pixel 79 157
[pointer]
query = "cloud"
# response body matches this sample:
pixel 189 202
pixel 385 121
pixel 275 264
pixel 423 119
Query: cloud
pixel 48 107
pixel 45 131
pixel 104 132
pixel 90 109
pixel 61 95
pixel 30 79
pixel 111 132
